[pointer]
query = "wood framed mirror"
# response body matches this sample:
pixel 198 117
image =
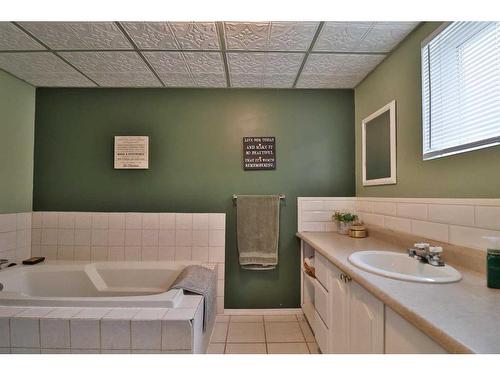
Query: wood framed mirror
pixel 378 138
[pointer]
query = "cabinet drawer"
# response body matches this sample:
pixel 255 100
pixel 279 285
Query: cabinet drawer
pixel 322 269
pixel 321 334
pixel 321 302
pixel 308 300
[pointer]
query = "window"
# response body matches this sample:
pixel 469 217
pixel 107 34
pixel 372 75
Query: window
pixel 461 88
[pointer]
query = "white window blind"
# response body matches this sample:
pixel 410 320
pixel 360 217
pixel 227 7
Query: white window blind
pixel 461 88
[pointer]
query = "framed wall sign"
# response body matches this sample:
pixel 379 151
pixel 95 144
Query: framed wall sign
pixel 259 153
pixel 131 152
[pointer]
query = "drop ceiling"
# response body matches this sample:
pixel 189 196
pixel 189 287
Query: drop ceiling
pixel 197 54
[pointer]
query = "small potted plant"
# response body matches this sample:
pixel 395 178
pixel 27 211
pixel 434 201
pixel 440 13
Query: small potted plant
pixel 345 220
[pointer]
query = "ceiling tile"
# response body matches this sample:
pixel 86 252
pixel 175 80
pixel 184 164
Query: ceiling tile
pixel 177 79
pixel 151 35
pixel 383 37
pixel 78 35
pixel 210 80
pixel 196 35
pixel 312 81
pixel 125 79
pixel 335 63
pixel 204 62
pixel 204 69
pixel 171 67
pixel 259 69
pixel 114 69
pixel 42 69
pixel 279 80
pixel 264 63
pixel 341 36
pixel 320 81
pixel 362 36
pixel 337 70
pixel 269 36
pixel 11 39
pixel 246 35
pixel 167 62
pixel 263 81
pixel 283 63
pixel 291 36
pixel 246 80
pixel 246 63
pixel 173 35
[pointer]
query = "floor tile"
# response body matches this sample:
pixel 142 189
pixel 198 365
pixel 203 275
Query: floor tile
pixel 246 319
pixel 313 348
pixel 246 348
pixel 261 334
pixel 306 330
pixel 280 318
pixel 216 348
pixel 288 348
pixel 246 332
pixel 220 332
pixel 284 332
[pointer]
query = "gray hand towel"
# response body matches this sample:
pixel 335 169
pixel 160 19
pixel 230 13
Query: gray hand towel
pixel 258 231
pixel 203 281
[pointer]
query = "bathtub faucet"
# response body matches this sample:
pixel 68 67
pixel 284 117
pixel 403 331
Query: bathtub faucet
pixel 2 262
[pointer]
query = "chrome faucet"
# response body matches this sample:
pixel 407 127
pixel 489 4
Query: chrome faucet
pixel 2 262
pixel 426 253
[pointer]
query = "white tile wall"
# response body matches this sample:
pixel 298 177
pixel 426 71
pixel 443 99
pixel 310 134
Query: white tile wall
pixel 100 330
pixel 15 236
pixel 315 213
pixel 463 222
pixel 113 236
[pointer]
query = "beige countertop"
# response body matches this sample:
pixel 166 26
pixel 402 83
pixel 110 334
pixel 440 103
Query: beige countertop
pixel 463 317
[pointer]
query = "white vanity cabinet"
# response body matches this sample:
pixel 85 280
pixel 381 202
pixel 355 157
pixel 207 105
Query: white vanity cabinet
pixel 346 318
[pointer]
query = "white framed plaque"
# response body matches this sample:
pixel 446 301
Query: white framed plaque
pixel 131 152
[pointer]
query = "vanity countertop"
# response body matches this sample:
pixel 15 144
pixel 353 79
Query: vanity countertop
pixel 463 317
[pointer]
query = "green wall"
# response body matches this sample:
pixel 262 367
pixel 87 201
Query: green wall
pixel 17 121
pixel 196 161
pixel 471 174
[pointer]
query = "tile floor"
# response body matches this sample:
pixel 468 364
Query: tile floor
pixel 262 334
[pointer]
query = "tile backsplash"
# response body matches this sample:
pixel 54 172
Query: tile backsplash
pixel 129 236
pixel 315 213
pixel 15 236
pixel 463 222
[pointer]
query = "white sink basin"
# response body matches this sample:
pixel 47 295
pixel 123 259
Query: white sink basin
pixel 400 266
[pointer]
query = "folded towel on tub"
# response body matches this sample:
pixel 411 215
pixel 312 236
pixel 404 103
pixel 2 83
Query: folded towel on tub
pixel 203 281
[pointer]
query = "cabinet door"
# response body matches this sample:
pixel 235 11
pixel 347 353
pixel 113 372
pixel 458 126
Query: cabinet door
pixel 339 319
pixel 366 321
pixel 401 337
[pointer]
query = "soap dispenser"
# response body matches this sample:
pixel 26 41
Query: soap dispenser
pixel 493 263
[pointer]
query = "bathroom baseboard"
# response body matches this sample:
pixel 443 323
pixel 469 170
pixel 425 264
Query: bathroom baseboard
pixel 262 311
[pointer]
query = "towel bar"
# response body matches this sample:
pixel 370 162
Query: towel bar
pixel 282 196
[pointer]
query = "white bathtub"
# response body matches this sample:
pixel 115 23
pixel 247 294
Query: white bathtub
pixel 108 284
